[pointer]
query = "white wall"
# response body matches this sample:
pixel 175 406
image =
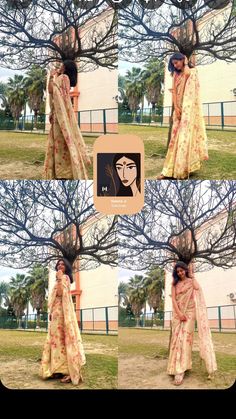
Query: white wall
pixel 216 285
pixel 99 287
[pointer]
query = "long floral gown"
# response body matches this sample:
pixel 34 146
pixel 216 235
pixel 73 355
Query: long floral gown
pixel 191 303
pixel 188 143
pixel 63 350
pixel 66 155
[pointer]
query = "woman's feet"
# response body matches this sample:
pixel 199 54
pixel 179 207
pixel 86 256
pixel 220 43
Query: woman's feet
pixel 161 177
pixel 66 379
pixel 179 378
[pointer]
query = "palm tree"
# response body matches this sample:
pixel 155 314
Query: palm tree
pixel 137 295
pixel 134 88
pixel 155 284
pixel 35 85
pixel 16 96
pixel 153 78
pixel 122 293
pixel 38 285
pixel 4 292
pixel 19 295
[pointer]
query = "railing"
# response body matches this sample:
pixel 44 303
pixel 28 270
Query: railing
pixel 221 318
pixel 97 121
pixel 217 115
pixel 97 319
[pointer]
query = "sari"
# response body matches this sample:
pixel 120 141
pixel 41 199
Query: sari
pixel 188 142
pixel 66 155
pixel 191 303
pixel 63 350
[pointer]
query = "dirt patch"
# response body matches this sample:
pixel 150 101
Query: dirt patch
pixel 142 372
pixel 22 374
pixel 19 170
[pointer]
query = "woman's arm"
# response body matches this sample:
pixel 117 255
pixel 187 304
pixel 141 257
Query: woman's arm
pixel 175 305
pixel 196 285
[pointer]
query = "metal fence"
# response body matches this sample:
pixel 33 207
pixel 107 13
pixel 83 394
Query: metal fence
pixel 97 121
pixel 98 319
pixel 218 115
pixel 221 319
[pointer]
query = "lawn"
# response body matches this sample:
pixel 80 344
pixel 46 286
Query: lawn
pixel 221 144
pixel 22 154
pixel 143 358
pixel 20 354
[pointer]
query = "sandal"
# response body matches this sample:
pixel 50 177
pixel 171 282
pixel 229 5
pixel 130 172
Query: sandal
pixel 66 379
pixel 161 177
pixel 179 378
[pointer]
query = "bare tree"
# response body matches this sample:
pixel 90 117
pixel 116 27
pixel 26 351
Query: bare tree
pixel 201 30
pixel 188 221
pixel 40 32
pixel 43 220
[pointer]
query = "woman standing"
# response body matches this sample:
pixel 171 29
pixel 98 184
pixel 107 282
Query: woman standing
pixel 188 142
pixel 188 306
pixel 66 156
pixel 63 351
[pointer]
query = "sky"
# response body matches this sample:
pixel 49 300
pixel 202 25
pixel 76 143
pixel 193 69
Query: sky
pixel 125 274
pixel 6 273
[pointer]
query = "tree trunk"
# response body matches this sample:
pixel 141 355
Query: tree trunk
pixel 16 124
pixel 38 319
pixel 153 112
pixel 35 119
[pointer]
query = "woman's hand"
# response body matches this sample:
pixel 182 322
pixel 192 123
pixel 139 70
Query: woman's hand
pixel 182 317
pixel 59 275
pixel 51 119
pixel 178 113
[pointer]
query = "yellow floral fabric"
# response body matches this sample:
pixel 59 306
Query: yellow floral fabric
pixel 63 350
pixel 191 303
pixel 66 155
pixel 188 143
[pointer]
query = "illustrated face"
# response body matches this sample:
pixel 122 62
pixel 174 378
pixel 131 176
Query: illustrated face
pixel 127 170
pixel 178 64
pixel 61 266
pixel 181 273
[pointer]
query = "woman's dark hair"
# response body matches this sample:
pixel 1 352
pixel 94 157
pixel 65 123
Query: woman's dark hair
pixel 68 270
pixel 71 71
pixel 176 56
pixel 175 275
pixel 135 157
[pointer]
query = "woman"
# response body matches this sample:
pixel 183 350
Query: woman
pixel 188 142
pixel 66 156
pixel 127 167
pixel 188 306
pixel 63 351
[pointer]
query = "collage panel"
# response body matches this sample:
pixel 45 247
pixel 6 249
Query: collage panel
pixel 176 288
pixel 177 86
pixel 58 86
pixel 59 314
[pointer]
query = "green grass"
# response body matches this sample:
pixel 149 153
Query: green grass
pixel 154 344
pixel 25 348
pixel 22 154
pixel 221 144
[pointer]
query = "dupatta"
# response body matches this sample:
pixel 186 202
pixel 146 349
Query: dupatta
pixel 73 342
pixel 65 116
pixel 207 352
